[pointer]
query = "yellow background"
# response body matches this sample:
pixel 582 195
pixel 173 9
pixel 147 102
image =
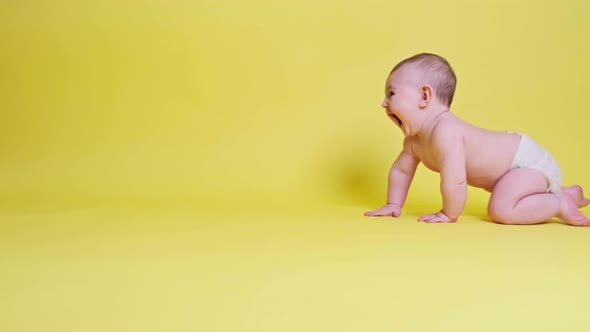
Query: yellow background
pixel 204 165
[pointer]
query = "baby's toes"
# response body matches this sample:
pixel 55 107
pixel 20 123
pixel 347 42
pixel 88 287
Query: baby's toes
pixel 584 222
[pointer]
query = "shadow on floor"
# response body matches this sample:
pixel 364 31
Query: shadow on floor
pixel 352 175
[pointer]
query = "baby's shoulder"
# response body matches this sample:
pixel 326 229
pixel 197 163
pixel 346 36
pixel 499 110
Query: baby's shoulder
pixel 449 128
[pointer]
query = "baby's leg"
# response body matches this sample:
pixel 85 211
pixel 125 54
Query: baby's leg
pixel 520 197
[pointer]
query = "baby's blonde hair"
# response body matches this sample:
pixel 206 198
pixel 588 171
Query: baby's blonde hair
pixel 437 72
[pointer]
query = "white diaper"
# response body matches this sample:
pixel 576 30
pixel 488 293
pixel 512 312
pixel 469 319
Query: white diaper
pixel 532 155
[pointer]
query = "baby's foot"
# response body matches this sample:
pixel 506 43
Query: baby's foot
pixel 569 211
pixel 577 194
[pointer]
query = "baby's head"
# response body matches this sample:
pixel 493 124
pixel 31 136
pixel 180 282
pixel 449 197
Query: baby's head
pixel 422 82
pixel 435 71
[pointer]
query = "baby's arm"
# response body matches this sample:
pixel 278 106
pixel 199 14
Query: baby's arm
pixel 450 158
pixel 400 177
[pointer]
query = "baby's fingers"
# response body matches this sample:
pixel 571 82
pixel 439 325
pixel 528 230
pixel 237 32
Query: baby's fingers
pixel 382 212
pixel 375 213
pixel 434 218
pixel 371 213
pixel 429 218
pixel 424 217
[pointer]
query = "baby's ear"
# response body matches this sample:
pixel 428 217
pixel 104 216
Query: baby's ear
pixel 425 95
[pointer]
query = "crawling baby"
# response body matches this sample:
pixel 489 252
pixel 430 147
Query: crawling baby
pixel 524 180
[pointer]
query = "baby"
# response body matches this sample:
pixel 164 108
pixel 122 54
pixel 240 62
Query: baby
pixel 523 178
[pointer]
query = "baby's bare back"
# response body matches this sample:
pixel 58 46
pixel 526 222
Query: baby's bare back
pixel 488 153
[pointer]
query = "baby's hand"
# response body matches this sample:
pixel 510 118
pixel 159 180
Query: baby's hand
pixel 436 217
pixel 386 210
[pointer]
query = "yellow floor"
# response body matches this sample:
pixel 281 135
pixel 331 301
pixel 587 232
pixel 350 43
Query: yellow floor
pixel 285 268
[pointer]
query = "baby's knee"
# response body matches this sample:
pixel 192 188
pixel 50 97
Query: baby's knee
pixel 499 214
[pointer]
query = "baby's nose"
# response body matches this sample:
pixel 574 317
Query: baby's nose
pixel 384 104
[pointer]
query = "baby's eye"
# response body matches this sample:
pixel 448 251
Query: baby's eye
pixel 391 93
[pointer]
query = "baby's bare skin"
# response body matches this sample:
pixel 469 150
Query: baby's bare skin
pixel 465 155
pixel 487 156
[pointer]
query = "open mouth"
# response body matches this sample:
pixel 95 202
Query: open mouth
pixel 395 118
